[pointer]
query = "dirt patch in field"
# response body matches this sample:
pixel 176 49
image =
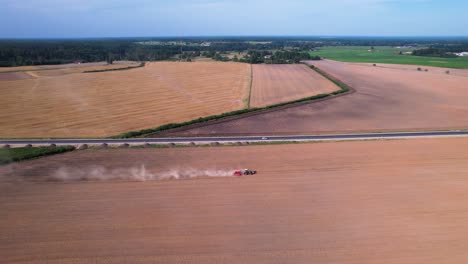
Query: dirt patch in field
pixel 437 70
pixel 11 76
pixel 71 70
pixel 386 99
pixel 109 103
pixel 62 66
pixel 274 84
pixel 348 202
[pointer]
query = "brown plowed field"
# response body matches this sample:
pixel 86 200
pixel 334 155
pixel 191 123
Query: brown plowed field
pixel 386 99
pixel 109 103
pixel 274 84
pixel 400 201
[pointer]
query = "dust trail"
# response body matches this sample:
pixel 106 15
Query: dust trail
pixel 99 173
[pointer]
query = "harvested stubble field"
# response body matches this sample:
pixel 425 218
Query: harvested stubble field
pixel 273 84
pixel 386 99
pixel 109 103
pixel 399 201
pixel 78 66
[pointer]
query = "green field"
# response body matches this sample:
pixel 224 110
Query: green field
pixel 386 55
pixel 19 154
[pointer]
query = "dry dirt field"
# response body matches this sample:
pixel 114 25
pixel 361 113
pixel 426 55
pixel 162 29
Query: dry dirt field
pixel 109 103
pixel 386 99
pixel 274 84
pixel 399 201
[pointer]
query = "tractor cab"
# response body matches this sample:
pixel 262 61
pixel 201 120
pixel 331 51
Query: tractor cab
pixel 249 172
pixel 244 172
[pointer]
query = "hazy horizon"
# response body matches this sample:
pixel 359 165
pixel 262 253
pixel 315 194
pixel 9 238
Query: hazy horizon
pixel 38 19
pixel 409 37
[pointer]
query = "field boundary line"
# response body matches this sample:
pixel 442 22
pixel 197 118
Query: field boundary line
pixel 250 87
pixel 143 64
pixel 239 114
pixel 52 68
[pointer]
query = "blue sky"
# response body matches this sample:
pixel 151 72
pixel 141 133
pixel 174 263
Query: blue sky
pixel 127 18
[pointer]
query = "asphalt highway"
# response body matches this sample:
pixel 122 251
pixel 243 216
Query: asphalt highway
pixel 238 138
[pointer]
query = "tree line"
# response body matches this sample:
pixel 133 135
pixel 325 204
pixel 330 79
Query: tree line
pixel 277 57
pixel 444 51
pixel 21 53
pixel 47 52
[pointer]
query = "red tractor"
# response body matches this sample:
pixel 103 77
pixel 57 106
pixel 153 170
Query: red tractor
pixel 244 172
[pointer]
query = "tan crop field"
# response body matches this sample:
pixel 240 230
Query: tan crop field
pixel 274 84
pixel 398 201
pixel 386 99
pixel 80 67
pixel 71 104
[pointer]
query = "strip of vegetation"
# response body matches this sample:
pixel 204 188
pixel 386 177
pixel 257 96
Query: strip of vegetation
pixel 343 88
pixel 220 144
pixel 177 125
pixel 118 69
pixel 250 87
pixel 9 155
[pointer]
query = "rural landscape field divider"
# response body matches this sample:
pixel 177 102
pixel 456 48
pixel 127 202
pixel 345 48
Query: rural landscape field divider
pixel 118 69
pixel 8 155
pixel 228 116
pixel 250 86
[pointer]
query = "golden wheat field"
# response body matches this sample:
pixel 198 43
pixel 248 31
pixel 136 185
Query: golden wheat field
pixel 274 84
pixel 76 104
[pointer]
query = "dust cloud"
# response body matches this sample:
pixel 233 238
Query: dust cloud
pixel 140 173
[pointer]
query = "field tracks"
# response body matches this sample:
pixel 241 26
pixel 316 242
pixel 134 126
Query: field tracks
pixel 250 87
pixel 142 64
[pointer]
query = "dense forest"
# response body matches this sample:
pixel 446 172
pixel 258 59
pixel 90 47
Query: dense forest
pixel 19 53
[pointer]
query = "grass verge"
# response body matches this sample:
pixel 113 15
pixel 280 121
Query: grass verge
pixel 118 69
pixel 343 88
pixel 9 155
